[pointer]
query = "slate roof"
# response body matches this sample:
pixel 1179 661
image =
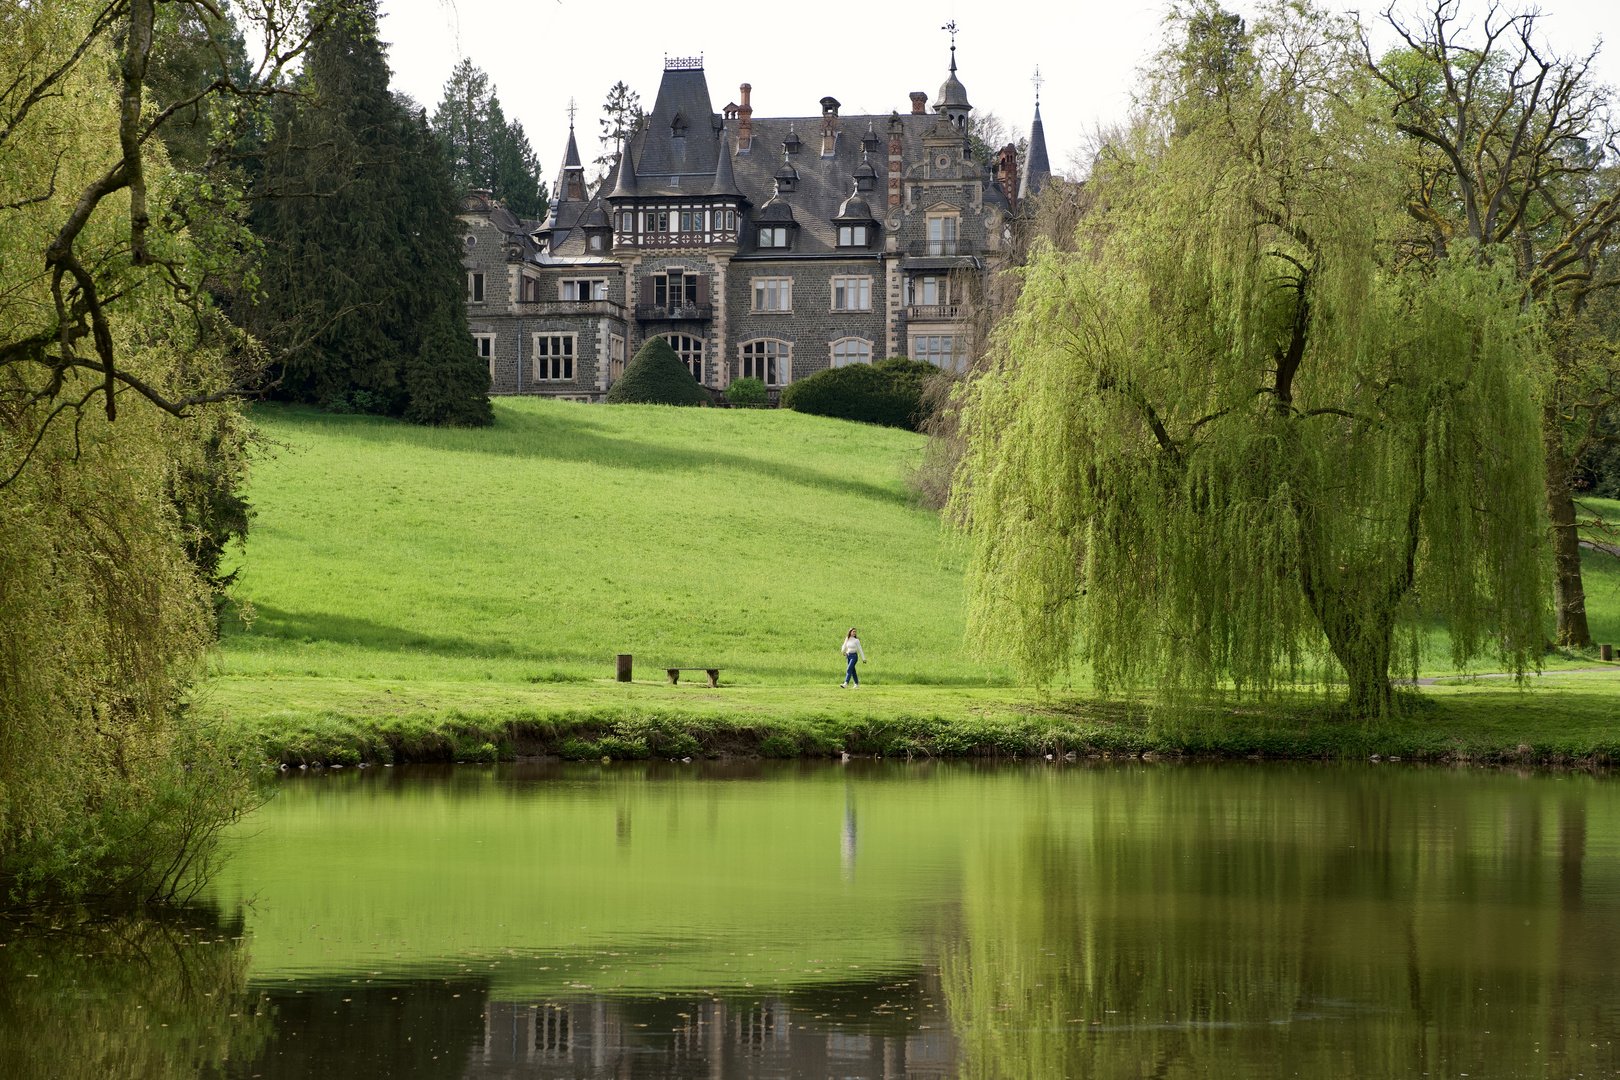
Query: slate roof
pixel 1037 170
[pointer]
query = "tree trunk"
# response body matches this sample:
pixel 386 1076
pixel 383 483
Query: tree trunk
pixel 1363 646
pixel 1569 595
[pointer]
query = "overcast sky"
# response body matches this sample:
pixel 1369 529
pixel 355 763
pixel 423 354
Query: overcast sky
pixel 540 53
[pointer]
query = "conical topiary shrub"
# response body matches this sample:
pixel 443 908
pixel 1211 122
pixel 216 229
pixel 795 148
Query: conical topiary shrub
pixel 656 376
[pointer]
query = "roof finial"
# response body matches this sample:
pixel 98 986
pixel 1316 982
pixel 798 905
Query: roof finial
pixel 1037 80
pixel 571 108
pixel 950 28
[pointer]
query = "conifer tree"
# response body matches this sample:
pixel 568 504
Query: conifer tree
pixel 364 270
pixel 621 116
pixel 485 149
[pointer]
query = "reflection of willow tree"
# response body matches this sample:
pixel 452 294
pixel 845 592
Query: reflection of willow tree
pixel 1235 439
pixel 1216 921
pixel 130 996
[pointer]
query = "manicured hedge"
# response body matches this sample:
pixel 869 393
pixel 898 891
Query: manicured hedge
pixel 656 376
pixel 746 391
pixel 888 392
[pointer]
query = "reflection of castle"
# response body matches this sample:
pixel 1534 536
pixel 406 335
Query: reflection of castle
pixel 698 1038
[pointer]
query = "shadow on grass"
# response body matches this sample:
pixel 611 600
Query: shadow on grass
pixel 573 436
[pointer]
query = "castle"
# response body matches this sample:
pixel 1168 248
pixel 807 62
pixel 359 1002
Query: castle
pixel 756 249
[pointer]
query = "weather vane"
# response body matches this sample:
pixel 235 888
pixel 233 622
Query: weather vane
pixel 1037 80
pixel 571 108
pixel 950 28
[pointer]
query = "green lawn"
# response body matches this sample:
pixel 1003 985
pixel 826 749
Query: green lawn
pixel 423 590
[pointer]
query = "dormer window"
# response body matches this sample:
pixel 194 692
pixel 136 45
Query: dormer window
pixel 773 236
pixel 791 144
pixel 852 236
pixel 677 126
pixel 863 183
pixel 785 183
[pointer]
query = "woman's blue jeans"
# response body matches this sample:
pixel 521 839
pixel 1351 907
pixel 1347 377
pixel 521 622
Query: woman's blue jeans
pixel 849 673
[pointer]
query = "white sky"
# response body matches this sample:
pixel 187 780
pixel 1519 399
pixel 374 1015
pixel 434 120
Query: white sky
pixel 539 53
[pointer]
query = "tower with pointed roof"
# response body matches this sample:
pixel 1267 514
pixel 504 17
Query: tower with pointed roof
pixel 1037 169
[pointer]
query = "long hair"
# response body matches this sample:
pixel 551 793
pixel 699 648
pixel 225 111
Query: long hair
pixel 850 634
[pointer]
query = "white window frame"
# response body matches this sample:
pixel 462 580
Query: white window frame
pixel 776 235
pixel 689 356
pixel 761 288
pixel 485 344
pixel 934 354
pixel 615 357
pixel 846 345
pixel 856 233
pixel 597 288
pixel 942 290
pixel 757 364
pixel 568 369
pixel 945 245
pixel 845 283
pixel 476 288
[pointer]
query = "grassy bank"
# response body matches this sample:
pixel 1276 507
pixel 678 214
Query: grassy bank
pixel 439 594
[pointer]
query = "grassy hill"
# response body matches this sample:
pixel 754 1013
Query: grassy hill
pixel 745 539
pixel 429 588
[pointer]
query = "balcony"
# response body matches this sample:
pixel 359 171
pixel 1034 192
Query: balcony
pixel 569 307
pixel 674 312
pixel 935 312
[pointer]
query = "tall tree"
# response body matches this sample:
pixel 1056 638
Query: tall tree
pixel 1231 440
pixel 1515 155
pixel 363 287
pixel 621 116
pixel 486 151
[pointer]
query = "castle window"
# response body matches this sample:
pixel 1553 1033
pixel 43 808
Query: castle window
pixel 852 294
pixel 731 221
pixel 686 221
pixel 852 236
pixel 596 243
pixel 942 234
pixel 773 236
pixel 485 345
pixel 944 352
pixel 773 294
pixel 553 357
pixel 674 289
pixel 528 289
pixel 851 351
pixel 615 358
pixel 627 221
pixel 475 288
pixel 928 290
pixel 690 350
pixel 767 360
pixel 588 289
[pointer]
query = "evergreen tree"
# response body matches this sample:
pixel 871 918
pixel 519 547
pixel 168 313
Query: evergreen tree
pixel 363 285
pixel 621 117
pixel 485 150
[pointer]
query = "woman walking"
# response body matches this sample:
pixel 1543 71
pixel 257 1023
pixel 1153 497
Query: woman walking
pixel 852 653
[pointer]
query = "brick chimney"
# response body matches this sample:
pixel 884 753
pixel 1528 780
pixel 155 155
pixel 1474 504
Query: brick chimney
pixel 895 163
pixel 1007 174
pixel 745 118
pixel 829 126
pixel 919 103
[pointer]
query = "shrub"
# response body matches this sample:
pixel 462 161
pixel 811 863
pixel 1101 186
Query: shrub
pixel 746 391
pixel 656 376
pixel 887 393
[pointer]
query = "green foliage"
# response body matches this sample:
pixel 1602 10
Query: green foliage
pixel 887 393
pixel 746 391
pixel 112 521
pixel 621 116
pixel 656 376
pixel 484 149
pixel 1235 441
pixel 363 284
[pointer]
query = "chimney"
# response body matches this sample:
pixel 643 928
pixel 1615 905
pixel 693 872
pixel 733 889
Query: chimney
pixel 1007 174
pixel 745 119
pixel 919 103
pixel 895 163
pixel 829 126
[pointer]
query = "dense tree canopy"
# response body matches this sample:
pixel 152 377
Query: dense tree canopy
pixel 363 284
pixel 1236 438
pixel 487 151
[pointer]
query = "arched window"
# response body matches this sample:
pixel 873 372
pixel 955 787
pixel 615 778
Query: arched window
pixel 768 360
pixel 690 350
pixel 854 350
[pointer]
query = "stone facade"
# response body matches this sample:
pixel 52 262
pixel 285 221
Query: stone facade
pixel 773 247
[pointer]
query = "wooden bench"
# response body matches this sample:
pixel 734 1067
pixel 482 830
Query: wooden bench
pixel 674 674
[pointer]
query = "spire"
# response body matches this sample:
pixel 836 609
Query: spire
pixel 953 99
pixel 624 185
pixel 571 154
pixel 1037 169
pixel 725 181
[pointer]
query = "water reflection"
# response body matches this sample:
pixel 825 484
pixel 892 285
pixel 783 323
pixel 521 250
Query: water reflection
pixel 1083 921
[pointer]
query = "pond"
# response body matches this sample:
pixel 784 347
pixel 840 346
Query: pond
pixel 869 919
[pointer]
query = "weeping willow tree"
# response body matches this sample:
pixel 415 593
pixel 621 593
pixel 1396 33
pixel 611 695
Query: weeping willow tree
pixel 1238 438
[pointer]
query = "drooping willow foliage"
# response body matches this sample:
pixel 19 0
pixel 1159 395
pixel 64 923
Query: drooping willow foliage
pixel 1235 439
